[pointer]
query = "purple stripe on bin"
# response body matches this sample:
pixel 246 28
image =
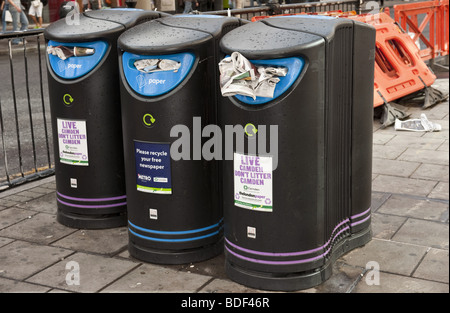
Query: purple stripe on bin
pixel 285 262
pixel 291 253
pixel 360 214
pixel 91 206
pixel 361 221
pixel 91 199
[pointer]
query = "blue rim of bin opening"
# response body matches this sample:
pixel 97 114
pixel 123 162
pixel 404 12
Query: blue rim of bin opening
pixel 76 67
pixel 294 65
pixel 156 83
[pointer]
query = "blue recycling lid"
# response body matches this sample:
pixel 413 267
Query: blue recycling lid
pixel 76 67
pixel 294 66
pixel 156 83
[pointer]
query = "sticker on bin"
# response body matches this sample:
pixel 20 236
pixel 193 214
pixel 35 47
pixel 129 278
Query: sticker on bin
pixel 74 60
pixel 257 81
pixel 153 174
pixel 157 74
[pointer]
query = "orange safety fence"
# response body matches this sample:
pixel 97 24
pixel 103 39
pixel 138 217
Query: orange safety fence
pixel 433 28
pixel 400 70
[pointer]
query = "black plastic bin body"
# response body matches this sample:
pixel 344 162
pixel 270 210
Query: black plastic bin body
pixel 318 202
pixel 174 212
pixel 85 108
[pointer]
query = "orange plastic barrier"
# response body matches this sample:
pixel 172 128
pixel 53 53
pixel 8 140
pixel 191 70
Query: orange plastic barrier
pixel 435 16
pixel 399 68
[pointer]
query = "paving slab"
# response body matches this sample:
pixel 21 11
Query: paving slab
pixel 155 278
pixel 392 257
pixel 14 286
pixel 20 259
pixel 40 228
pixel 107 241
pixel 432 172
pixel 95 272
pixel 424 156
pixel 408 206
pixel 440 191
pixel 44 203
pixel 403 185
pixel 394 167
pixel 424 233
pixel 392 283
pixel 13 215
pixel 386 226
pixel 435 266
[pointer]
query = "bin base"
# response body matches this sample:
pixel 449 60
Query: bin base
pixel 177 256
pixel 93 221
pixel 296 281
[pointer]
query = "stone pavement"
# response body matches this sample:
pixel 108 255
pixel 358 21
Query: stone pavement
pixel 410 223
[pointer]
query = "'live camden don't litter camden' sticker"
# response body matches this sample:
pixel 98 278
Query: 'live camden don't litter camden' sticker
pixel 253 182
pixel 72 140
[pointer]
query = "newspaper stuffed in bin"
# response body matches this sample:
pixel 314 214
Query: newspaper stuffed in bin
pixel 238 76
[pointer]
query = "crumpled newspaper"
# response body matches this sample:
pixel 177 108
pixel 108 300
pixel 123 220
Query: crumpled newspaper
pixel 238 76
pixel 64 52
pixel 156 65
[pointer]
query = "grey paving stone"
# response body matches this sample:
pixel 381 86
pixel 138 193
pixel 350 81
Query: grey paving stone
pixel 95 272
pixel 45 203
pixel 13 215
pixel 19 259
pixel 4 241
pixel 403 185
pixel 392 257
pixel 411 142
pixel 220 285
pixel 385 226
pixel 380 138
pixel 424 233
pixel 105 241
pixel 214 267
pixel 440 191
pixel 391 283
pixel 425 156
pixel 393 167
pixel 383 152
pixel 444 146
pixel 432 172
pixel 154 278
pixel 434 266
pixel 417 208
pixel 14 286
pixel 40 228
pixel 377 199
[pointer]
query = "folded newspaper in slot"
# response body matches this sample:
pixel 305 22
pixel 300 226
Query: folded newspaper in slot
pixel 64 52
pixel 156 65
pixel 238 76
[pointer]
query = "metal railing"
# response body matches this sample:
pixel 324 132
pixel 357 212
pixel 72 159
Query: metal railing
pixel 24 109
pixel 272 7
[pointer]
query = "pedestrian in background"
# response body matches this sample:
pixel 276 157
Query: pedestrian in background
pixel 188 6
pixel 96 4
pixel 35 12
pixel 18 15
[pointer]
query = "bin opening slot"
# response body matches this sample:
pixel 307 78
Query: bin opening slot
pixel 238 76
pixel 64 52
pixel 156 65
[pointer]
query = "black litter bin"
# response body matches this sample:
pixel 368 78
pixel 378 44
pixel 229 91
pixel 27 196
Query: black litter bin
pixel 306 199
pixel 85 108
pixel 174 205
